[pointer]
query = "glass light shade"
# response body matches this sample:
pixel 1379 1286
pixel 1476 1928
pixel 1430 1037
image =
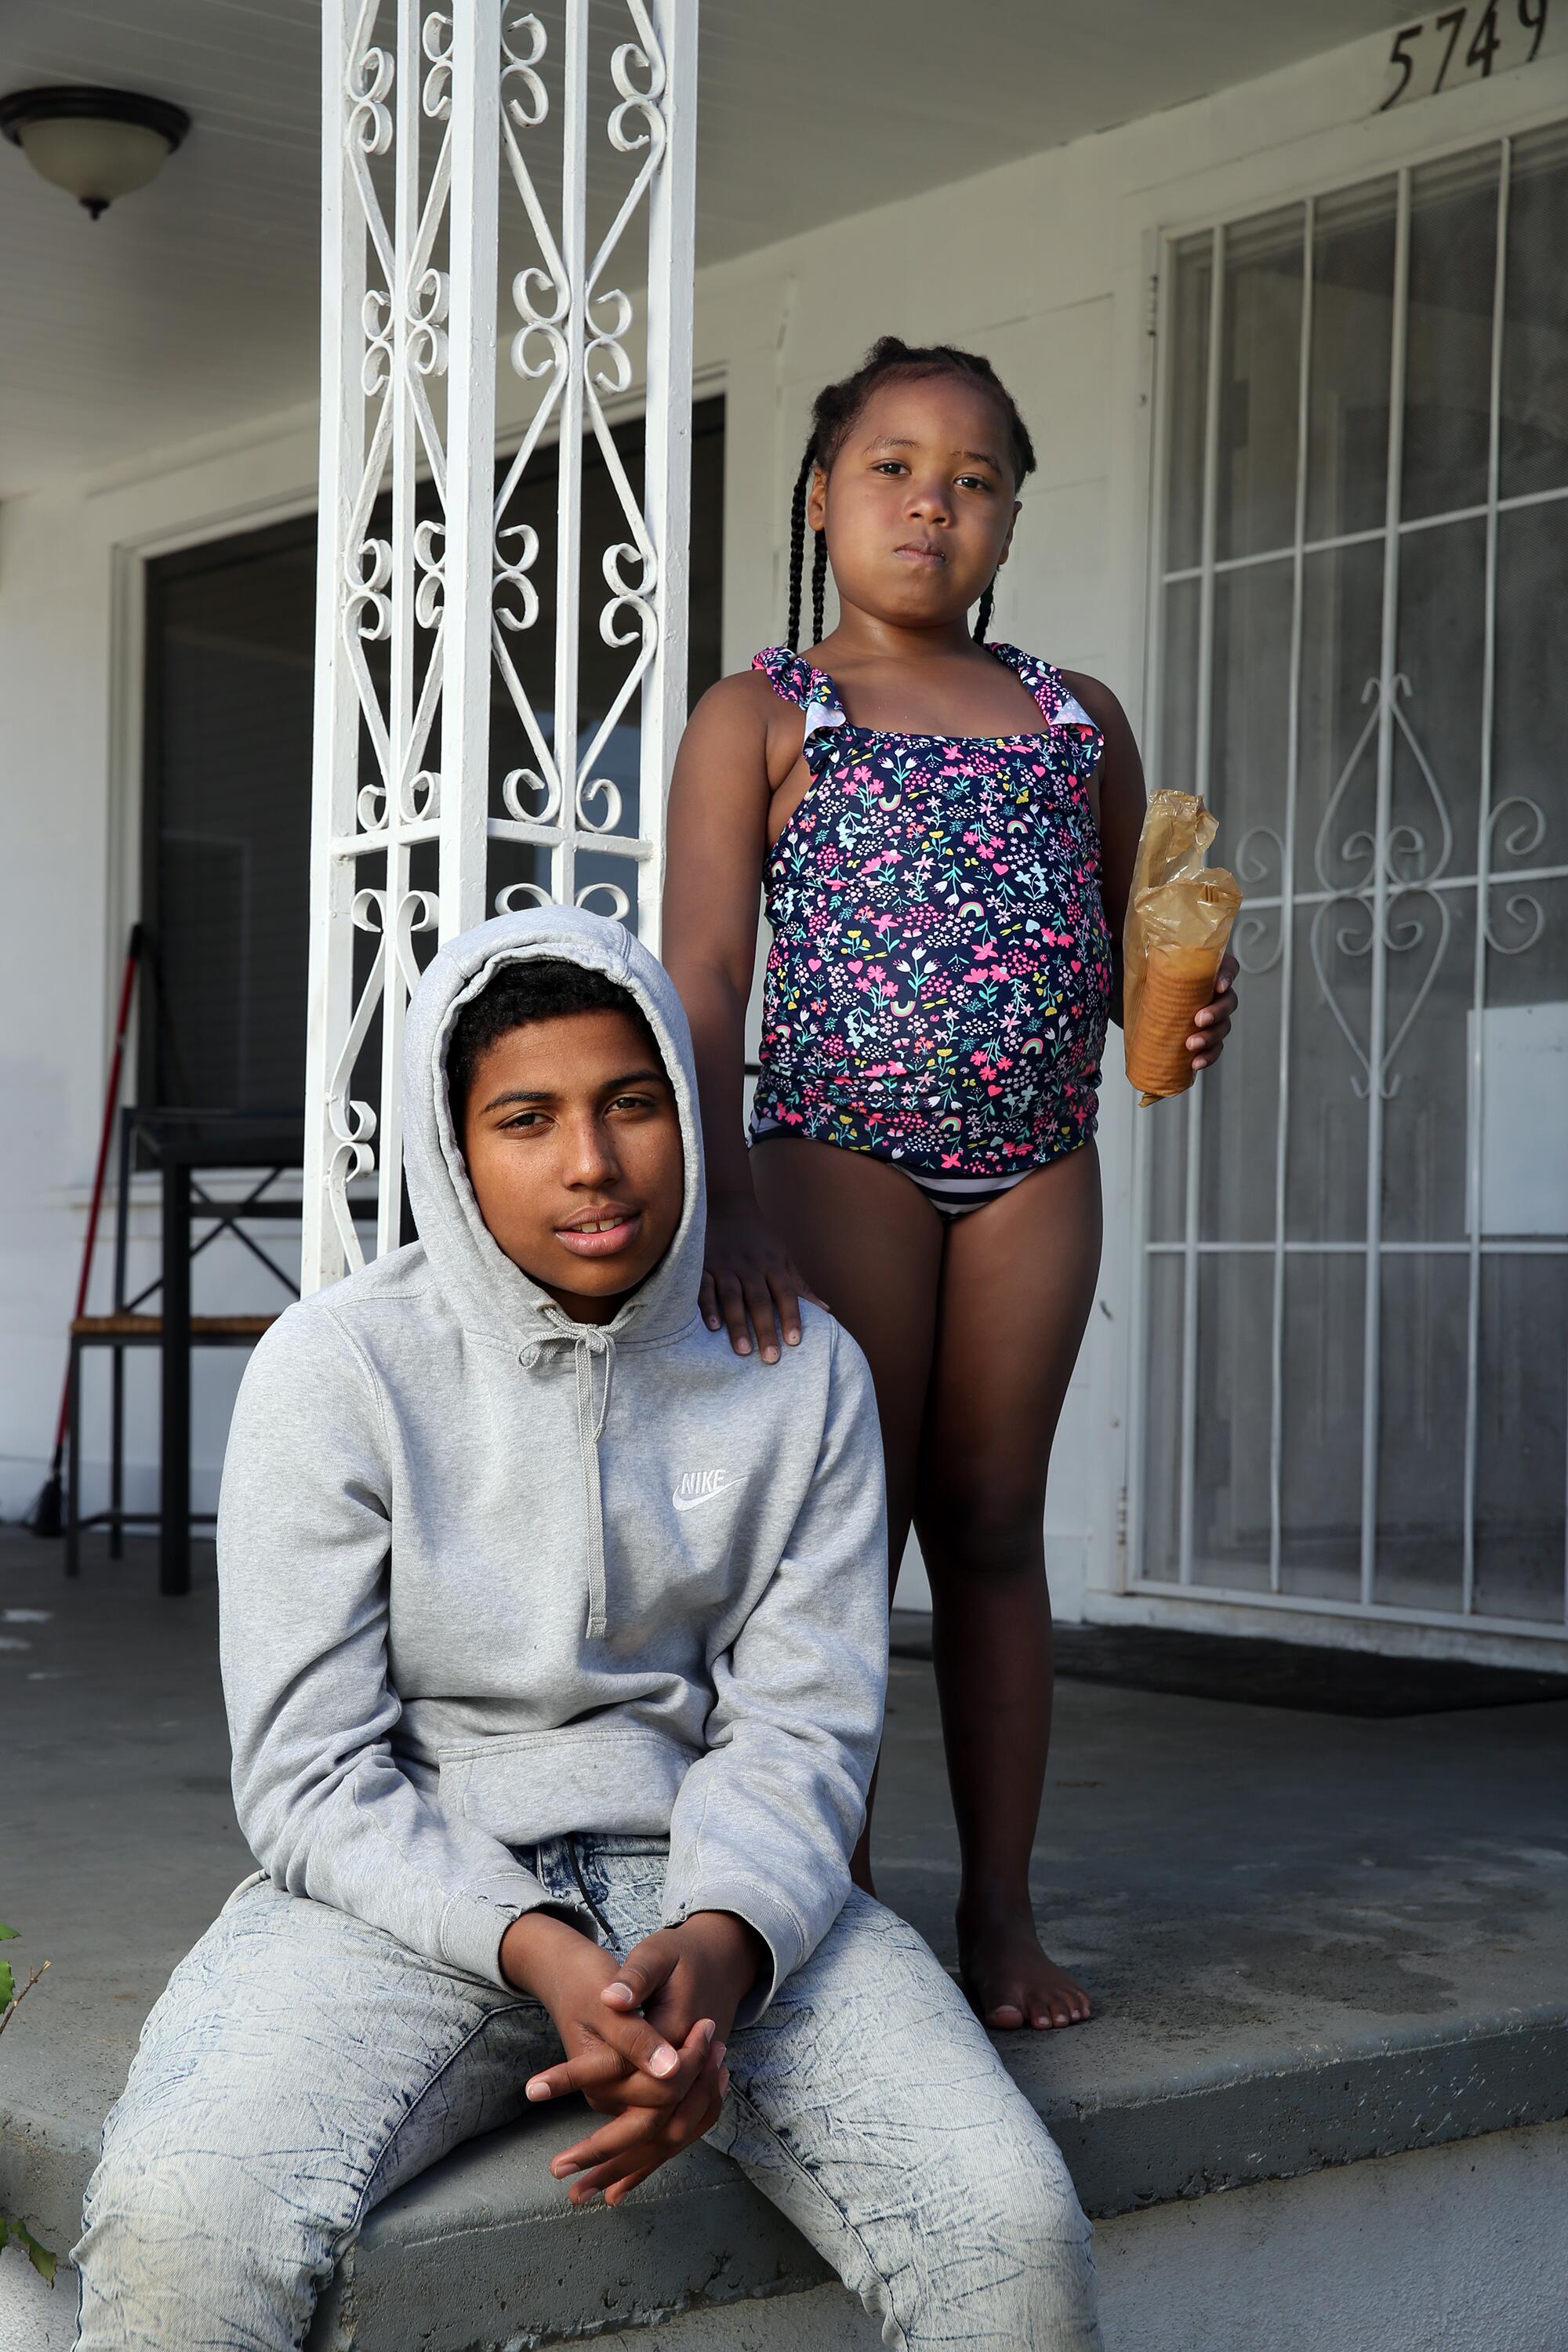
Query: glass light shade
pixel 96 161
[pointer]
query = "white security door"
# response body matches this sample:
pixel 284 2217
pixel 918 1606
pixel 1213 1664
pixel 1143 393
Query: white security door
pixel 1354 1351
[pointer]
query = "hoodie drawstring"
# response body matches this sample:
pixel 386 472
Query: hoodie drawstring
pixel 591 1341
pixel 587 1340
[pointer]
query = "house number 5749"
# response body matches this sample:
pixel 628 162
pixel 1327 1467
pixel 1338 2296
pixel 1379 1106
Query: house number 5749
pixel 1464 44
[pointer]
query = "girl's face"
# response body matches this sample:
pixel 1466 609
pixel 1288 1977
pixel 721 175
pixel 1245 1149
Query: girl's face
pixel 919 506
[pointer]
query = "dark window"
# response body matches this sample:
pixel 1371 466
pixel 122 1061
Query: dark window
pixel 226 795
pixel 227 815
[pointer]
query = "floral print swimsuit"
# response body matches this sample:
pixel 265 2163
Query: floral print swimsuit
pixel 939 981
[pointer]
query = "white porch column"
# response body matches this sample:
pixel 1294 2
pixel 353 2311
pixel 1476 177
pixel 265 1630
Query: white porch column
pixel 481 214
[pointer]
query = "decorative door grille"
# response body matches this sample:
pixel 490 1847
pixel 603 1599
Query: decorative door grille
pixel 1351 1390
pixel 493 180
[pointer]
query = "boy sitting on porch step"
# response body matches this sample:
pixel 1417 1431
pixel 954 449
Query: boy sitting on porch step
pixel 553 1645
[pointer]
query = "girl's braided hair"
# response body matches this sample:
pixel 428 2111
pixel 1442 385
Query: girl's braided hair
pixel 835 410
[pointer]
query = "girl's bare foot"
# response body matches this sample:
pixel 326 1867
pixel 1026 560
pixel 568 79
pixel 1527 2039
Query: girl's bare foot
pixel 1009 1978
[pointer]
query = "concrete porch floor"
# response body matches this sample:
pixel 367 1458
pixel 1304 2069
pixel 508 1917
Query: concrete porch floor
pixel 1311 1939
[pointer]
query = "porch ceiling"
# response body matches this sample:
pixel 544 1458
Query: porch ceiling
pixel 191 307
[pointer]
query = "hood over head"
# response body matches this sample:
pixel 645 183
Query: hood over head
pixel 484 1289
pixel 481 1285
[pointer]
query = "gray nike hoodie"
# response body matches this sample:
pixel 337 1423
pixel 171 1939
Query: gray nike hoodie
pixel 488 1576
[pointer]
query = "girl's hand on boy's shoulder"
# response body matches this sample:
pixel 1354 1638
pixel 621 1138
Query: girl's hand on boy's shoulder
pixel 749 1282
pixel 1210 1028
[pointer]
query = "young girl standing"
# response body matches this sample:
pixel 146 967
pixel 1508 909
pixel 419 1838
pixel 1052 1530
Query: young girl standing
pixel 944 831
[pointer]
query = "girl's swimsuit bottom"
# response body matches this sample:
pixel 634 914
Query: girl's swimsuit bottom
pixel 949 1195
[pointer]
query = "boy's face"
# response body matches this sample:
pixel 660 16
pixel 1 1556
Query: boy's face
pixel 573 1144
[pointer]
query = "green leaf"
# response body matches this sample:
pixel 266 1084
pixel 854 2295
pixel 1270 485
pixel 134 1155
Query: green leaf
pixel 8 1935
pixel 8 1985
pixel 43 2261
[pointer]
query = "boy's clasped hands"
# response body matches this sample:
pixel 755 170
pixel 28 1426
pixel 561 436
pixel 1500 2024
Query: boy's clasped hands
pixel 644 2037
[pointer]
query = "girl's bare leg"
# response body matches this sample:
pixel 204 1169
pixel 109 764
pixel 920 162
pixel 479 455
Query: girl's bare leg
pixel 870 1243
pixel 1017 1283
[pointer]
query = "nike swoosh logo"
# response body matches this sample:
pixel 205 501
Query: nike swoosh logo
pixel 695 1502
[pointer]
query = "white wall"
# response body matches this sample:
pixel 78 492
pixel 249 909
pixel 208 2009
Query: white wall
pixel 69 665
pixel 1043 264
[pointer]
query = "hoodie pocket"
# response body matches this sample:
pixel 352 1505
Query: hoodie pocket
pixel 527 1785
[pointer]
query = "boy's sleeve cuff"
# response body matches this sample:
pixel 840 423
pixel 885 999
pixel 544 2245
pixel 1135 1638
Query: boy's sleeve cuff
pixel 473 1927
pixel 787 1940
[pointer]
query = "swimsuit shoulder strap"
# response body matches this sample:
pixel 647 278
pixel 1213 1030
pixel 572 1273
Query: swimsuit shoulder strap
pixel 795 680
pixel 1048 685
pixel 811 690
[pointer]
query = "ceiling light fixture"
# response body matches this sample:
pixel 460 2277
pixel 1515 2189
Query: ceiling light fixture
pixel 95 144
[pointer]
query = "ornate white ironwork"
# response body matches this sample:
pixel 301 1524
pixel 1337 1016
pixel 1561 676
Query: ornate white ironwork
pixel 1522 838
pixel 1393 856
pixel 426 592
pixel 1249 941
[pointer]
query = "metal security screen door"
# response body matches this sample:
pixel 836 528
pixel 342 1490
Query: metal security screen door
pixel 1351 1390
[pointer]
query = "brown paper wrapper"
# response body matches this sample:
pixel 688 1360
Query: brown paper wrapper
pixel 1179 919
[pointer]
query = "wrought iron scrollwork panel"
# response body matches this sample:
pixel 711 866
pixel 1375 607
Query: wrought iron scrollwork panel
pixel 429 110
pixel 571 342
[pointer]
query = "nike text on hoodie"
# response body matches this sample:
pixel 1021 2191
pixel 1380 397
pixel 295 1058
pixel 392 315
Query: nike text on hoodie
pixel 488 1576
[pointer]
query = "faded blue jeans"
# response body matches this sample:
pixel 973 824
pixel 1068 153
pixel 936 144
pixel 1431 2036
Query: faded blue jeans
pixel 300 2066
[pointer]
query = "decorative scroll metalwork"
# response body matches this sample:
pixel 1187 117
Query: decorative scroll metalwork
pixel 1521 836
pixel 429 588
pixel 1251 942
pixel 1381 850
pixel 1397 871
pixel 575 350
pixel 1402 929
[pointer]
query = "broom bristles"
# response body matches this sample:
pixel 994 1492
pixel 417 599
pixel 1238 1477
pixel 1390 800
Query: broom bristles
pixel 47 1517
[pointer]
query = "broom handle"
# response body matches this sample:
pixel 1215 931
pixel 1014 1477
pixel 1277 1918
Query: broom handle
pixel 110 1099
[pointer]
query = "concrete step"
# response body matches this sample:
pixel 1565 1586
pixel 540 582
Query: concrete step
pixel 1313 1943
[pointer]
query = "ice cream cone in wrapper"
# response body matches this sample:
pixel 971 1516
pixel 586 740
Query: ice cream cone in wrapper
pixel 1179 918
